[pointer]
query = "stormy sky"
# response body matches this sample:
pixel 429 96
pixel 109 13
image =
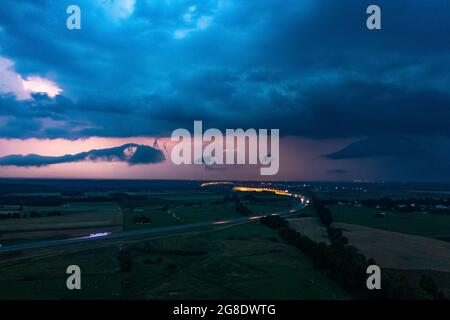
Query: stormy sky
pixel 350 103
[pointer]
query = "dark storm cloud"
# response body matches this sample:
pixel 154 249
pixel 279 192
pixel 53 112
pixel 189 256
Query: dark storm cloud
pixel 310 68
pixel 375 147
pixel 411 158
pixel 356 108
pixel 132 154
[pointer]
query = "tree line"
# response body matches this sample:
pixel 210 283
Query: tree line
pixel 32 214
pixel 401 205
pixel 347 267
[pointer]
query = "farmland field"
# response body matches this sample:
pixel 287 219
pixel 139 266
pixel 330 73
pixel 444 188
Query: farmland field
pixel 74 220
pixel 310 227
pixel 247 261
pixel 428 225
pixel 179 260
pixel 397 250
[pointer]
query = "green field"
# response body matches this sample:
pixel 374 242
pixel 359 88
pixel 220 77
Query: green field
pixel 206 212
pixel 241 262
pixel 159 218
pixel 268 208
pixel 180 214
pixel 183 209
pixel 248 261
pixel 46 279
pixel 428 225
pixel 163 210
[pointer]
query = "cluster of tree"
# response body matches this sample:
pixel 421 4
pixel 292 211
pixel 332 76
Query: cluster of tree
pixel 12 215
pixel 231 198
pixel 54 213
pixel 325 215
pixel 335 235
pixel 397 287
pixel 386 203
pixel 274 222
pixel 32 201
pixel 241 208
pixel 32 214
pixel 124 199
pixel 345 265
pixel 142 219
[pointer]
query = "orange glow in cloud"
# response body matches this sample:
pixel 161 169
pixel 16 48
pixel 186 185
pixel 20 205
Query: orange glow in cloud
pixel 41 85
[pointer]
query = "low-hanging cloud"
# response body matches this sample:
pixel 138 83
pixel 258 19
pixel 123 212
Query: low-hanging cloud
pixel 131 153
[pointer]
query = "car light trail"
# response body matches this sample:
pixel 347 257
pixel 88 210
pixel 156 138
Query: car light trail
pixel 97 235
pixel 221 222
pixel 206 184
pixel 276 191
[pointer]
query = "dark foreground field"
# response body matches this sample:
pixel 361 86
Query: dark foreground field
pixel 243 262
pixel 246 260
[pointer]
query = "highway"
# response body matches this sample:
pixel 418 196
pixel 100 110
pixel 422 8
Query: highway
pixel 129 234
